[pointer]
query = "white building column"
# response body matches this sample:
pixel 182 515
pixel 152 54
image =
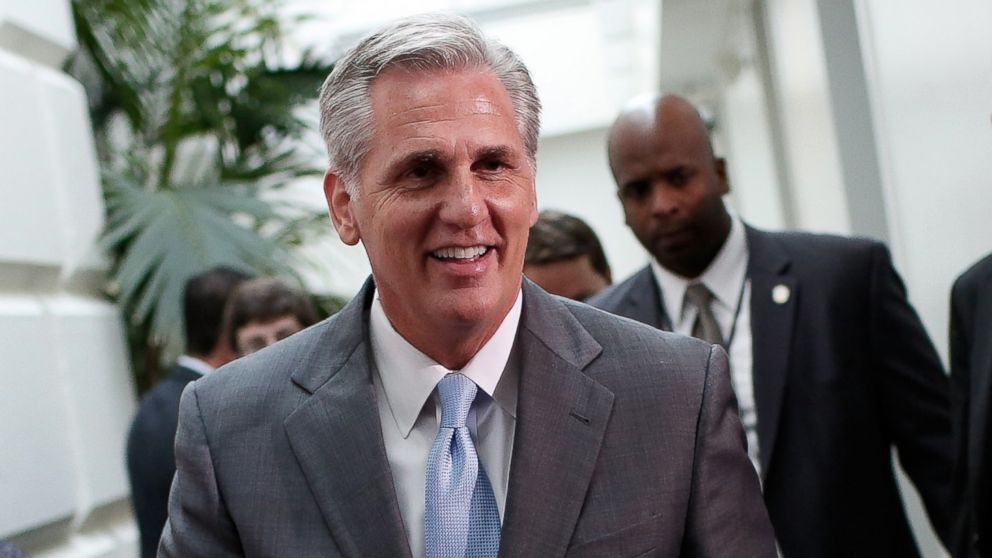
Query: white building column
pixel 66 394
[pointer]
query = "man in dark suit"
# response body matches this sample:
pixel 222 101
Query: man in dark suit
pixel 150 460
pixel 971 385
pixel 831 365
pixel 452 408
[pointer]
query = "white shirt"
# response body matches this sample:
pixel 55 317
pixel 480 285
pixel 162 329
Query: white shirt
pixel 405 382
pixel 194 364
pixel 725 277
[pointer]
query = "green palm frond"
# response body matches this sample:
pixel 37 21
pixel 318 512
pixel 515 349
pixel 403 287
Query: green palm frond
pixel 165 236
pixel 197 120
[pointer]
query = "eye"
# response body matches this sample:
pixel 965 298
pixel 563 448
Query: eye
pixel 421 171
pixel 490 165
pixel 679 176
pixel 635 190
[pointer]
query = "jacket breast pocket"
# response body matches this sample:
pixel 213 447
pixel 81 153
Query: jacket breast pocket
pixel 634 541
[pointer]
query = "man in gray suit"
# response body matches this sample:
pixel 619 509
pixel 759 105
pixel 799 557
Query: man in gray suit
pixel 453 408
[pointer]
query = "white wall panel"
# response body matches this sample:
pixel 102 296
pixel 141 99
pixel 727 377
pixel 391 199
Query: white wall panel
pixel 37 480
pixel 28 214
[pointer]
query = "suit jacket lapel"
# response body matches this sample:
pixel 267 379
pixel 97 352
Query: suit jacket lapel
pixel 337 439
pixel 561 418
pixel 771 333
pixel 644 302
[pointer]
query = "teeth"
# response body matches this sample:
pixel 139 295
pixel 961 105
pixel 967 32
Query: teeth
pixel 457 253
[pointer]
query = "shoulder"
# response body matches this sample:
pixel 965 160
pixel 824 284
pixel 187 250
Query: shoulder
pixel 261 386
pixel 822 257
pixel 270 366
pixel 813 245
pixel 612 298
pixel 976 276
pixel 634 353
pixel 163 397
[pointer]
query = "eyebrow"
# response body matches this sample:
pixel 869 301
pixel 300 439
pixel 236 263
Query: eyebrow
pixel 495 152
pixel 420 156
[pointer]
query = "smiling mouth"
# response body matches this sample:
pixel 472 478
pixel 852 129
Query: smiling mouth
pixel 457 253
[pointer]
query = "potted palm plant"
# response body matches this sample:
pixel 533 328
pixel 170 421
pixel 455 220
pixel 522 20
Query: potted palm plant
pixel 198 119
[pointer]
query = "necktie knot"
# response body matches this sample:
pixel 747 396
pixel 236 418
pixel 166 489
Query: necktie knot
pixel 705 327
pixel 456 393
pixel 699 295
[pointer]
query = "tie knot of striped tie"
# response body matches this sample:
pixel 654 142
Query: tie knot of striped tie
pixel 699 295
pixel 457 393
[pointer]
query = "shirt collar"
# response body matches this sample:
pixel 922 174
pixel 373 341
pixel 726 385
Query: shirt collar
pixel 723 277
pixel 409 376
pixel 194 364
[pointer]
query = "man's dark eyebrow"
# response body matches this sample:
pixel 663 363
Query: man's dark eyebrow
pixel 424 156
pixel 495 152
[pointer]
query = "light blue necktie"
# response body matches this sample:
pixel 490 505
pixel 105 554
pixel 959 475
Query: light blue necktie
pixel 462 520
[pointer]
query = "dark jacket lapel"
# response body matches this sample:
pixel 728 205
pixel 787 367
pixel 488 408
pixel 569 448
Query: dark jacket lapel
pixel 773 302
pixel 643 303
pixel 561 418
pixel 337 439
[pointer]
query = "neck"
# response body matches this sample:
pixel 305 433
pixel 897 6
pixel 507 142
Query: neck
pixel 452 349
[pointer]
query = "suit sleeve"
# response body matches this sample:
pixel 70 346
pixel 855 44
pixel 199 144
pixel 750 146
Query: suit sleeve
pixel 915 392
pixel 198 524
pixel 727 515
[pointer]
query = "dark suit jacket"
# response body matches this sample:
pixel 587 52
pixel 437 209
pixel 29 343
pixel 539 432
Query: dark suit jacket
pixel 627 444
pixel 971 380
pixel 843 370
pixel 150 460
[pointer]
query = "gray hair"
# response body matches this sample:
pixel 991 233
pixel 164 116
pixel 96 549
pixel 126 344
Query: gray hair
pixel 427 42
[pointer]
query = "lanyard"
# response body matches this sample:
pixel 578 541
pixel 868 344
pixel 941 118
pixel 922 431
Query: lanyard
pixel 737 313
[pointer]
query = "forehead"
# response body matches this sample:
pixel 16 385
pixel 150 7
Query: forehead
pixel 657 136
pixel 408 102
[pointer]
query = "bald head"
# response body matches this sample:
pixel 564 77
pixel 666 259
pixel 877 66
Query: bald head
pixel 656 114
pixel 670 182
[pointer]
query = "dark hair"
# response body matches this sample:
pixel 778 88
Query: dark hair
pixel 204 298
pixel 557 236
pixel 265 299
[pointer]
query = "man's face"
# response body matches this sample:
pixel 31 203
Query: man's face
pixel 671 188
pixel 257 334
pixel 446 199
pixel 574 278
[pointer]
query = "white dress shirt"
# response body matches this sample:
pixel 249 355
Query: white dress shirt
pixel 405 382
pixel 726 278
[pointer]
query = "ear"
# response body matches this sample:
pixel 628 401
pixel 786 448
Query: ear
pixel 721 171
pixel 533 205
pixel 339 206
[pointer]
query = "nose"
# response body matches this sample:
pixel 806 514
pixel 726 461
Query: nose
pixel 662 199
pixel 464 203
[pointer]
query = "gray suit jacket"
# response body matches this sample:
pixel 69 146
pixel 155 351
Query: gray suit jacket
pixel 627 443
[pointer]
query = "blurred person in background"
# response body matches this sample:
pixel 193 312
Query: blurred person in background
pixel 971 385
pixel 564 257
pixel 150 457
pixel 831 365
pixel 265 310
